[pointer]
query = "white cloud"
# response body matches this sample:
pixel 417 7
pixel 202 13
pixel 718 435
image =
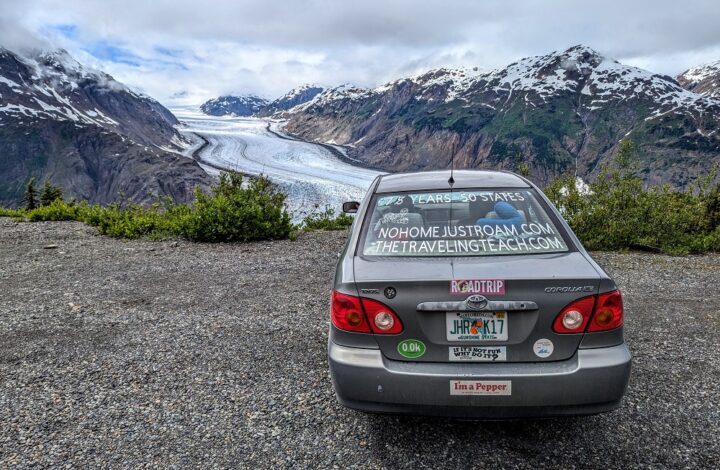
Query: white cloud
pixel 203 49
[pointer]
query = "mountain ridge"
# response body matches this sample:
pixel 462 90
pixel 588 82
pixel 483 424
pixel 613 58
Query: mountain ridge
pixel 246 105
pixel 87 132
pixel 560 112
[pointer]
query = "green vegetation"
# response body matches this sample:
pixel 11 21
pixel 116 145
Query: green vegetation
pixel 50 193
pixel 30 197
pixel 17 213
pixel 614 212
pixel 619 213
pixel 326 220
pixel 522 169
pixel 541 130
pixel 232 212
pixel 235 211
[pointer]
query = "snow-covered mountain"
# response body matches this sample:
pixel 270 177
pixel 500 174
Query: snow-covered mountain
pixel 294 97
pixel 577 70
pixel 559 112
pixel 87 132
pixel 251 105
pixel 703 79
pixel 229 105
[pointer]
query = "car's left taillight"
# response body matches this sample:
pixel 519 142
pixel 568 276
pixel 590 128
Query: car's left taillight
pixel 383 320
pixel 347 314
pixel 361 315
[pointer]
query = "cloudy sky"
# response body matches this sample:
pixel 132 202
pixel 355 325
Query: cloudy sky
pixel 183 52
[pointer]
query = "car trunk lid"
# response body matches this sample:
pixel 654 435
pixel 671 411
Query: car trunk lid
pixel 522 295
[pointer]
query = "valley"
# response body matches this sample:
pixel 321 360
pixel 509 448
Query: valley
pixel 551 115
pixel 309 173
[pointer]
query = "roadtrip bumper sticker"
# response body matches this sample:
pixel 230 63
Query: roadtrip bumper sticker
pixel 480 387
pixel 477 353
pixel 477 286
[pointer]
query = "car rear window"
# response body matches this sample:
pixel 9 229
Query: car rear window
pixel 459 223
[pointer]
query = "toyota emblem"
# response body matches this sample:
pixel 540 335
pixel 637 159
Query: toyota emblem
pixel 476 302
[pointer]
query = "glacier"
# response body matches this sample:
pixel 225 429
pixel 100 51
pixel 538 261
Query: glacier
pixel 311 175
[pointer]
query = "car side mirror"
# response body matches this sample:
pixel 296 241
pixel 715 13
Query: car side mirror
pixel 351 207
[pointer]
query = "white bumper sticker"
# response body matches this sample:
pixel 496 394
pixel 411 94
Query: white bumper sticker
pixel 543 348
pixel 480 387
pixel 477 353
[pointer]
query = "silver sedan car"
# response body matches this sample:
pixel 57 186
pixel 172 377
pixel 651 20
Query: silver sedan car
pixel 468 295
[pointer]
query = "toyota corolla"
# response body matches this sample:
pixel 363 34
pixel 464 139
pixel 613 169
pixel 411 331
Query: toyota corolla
pixel 468 295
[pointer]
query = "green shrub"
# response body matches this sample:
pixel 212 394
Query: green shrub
pixel 232 212
pixel 617 212
pixel 55 210
pixel 17 213
pixel 326 220
pixel 237 213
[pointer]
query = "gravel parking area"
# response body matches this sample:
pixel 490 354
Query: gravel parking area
pixel 172 354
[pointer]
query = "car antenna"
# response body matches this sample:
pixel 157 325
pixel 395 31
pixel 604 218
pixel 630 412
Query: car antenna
pixel 451 181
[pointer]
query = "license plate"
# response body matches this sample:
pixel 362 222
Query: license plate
pixel 476 326
pixel 477 353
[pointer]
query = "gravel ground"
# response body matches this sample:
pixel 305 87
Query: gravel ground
pixel 172 354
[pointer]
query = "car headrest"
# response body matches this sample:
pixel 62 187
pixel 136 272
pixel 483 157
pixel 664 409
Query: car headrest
pixel 493 215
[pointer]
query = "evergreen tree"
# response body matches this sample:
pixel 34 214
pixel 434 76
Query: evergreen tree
pixel 523 169
pixel 50 193
pixel 30 198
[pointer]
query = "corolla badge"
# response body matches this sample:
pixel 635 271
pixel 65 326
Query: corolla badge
pixel 476 302
pixel 568 289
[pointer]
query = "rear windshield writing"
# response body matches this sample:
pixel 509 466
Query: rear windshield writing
pixel 459 223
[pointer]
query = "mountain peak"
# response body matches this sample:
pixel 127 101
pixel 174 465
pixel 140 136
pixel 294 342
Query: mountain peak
pixel 295 97
pixel 703 79
pixel 234 105
pixel 581 50
pixel 52 84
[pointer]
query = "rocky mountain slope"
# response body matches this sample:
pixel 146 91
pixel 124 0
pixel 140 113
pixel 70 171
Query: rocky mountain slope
pixel 703 79
pixel 251 105
pixel 294 97
pixel 228 105
pixel 561 112
pixel 85 131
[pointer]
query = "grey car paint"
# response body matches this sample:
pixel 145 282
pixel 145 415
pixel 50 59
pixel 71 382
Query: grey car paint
pixel 369 374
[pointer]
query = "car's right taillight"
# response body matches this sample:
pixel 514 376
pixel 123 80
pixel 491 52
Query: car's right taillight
pixel 575 317
pixel 347 314
pixel 608 313
pixel 591 314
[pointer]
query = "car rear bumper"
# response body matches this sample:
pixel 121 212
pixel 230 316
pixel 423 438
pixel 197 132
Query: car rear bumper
pixel 592 381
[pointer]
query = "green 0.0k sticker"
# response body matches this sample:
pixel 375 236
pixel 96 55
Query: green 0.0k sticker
pixel 411 348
